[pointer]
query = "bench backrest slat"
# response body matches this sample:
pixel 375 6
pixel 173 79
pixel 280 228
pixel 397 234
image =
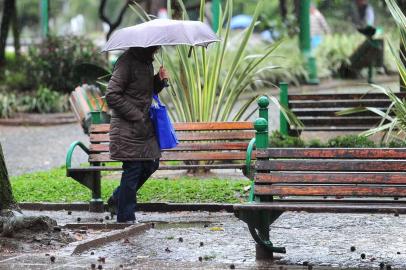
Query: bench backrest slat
pixel 379 172
pixel 336 153
pixel 213 146
pixel 331 190
pixel 188 136
pixel 190 126
pixel 182 156
pixel 331 178
pixel 331 165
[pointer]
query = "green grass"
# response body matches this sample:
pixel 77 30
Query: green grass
pixel 54 186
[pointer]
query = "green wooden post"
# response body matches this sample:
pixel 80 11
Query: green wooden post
pixel 215 10
pixel 283 99
pixel 305 42
pixel 44 18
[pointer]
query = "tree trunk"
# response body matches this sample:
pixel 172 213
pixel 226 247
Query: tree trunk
pixel 6 196
pixel 8 10
pixel 16 31
pixel 11 218
pixel 113 24
pixel 296 8
pixel 283 10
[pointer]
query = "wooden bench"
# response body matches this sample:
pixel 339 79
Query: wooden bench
pixel 352 180
pixel 216 145
pixel 318 111
pixel 86 102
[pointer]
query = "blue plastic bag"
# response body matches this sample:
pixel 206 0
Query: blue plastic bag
pixel 164 130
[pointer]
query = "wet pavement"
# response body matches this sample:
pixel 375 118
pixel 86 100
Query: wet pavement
pixel 29 149
pixel 202 240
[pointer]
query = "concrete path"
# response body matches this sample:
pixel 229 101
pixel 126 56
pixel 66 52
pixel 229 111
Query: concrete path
pixel 29 149
pixel 220 241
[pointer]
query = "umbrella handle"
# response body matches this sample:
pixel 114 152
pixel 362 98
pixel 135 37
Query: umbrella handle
pixel 166 82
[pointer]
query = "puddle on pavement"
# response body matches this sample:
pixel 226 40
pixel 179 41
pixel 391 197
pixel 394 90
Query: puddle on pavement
pixel 172 225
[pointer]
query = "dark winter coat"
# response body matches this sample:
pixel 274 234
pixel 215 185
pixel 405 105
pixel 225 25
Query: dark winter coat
pixel 129 95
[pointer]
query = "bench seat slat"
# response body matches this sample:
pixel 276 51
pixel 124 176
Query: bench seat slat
pixel 331 165
pixel 195 136
pixel 331 190
pixel 336 153
pixel 182 156
pixel 215 146
pixel 332 207
pixel 331 178
pixel 191 126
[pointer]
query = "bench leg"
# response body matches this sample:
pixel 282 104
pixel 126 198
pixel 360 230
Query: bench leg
pixel 96 203
pixel 91 180
pixel 258 225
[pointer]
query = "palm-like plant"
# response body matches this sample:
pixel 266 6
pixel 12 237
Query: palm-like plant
pixel 393 122
pixel 207 87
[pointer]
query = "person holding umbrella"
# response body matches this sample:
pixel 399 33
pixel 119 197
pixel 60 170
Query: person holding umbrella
pixel 132 137
pixel 129 95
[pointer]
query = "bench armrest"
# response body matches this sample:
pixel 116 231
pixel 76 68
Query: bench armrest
pixel 70 152
pixel 248 159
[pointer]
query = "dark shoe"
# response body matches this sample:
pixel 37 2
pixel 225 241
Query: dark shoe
pixel 112 206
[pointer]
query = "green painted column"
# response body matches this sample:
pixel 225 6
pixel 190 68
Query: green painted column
pixel 44 18
pixel 305 42
pixel 215 9
pixel 263 103
pixel 283 99
pixel 261 135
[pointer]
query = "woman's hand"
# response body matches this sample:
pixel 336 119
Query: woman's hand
pixel 163 73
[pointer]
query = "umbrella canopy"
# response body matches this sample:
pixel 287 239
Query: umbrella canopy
pixel 161 32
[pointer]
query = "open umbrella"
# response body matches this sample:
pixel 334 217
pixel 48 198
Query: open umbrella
pixel 161 32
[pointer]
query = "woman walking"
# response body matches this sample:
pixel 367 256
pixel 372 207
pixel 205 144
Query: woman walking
pixel 132 137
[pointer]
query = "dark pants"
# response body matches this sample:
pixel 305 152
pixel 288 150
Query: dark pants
pixel 135 174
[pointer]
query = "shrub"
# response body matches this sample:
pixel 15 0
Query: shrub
pixel 52 63
pixel 348 141
pixel 279 140
pixel 15 74
pixel 44 101
pixel 396 143
pixel 315 143
pixel 8 105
